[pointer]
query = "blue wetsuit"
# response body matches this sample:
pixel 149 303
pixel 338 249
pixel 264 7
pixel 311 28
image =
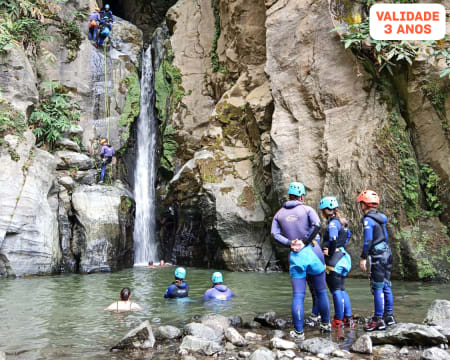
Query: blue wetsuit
pixel 177 290
pixel 338 264
pixel 298 221
pixel 376 246
pixel 218 292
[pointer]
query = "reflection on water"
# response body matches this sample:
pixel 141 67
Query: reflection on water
pixel 62 316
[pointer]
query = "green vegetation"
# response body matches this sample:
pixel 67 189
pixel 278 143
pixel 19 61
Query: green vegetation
pixel 11 121
pixel 132 103
pixel 169 95
pixel 434 190
pixel 54 115
pixel 72 38
pixel 441 50
pixel 381 53
pixel 216 66
pixel 437 97
pixel 396 139
pixel 170 147
pixel 25 23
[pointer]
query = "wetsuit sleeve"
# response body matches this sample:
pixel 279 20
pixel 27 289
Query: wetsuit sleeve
pixel 368 237
pixel 276 233
pixel 169 291
pixel 112 17
pixel 113 152
pixel 102 153
pixel 315 223
pixel 333 228
pixel 349 235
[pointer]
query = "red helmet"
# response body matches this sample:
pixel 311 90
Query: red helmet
pixel 369 197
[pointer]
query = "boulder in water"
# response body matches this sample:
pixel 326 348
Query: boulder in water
pixel 439 314
pixel 435 353
pixel 386 350
pixel 277 343
pixel 286 354
pixel 262 354
pixel 318 346
pixel 200 345
pixel 140 338
pixel 233 336
pixel 251 336
pixel 235 321
pixel 167 332
pixel 203 331
pixel 217 322
pixel 363 345
pixel 409 334
pixel 270 319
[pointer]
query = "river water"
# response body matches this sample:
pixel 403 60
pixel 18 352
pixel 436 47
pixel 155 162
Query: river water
pixel 62 316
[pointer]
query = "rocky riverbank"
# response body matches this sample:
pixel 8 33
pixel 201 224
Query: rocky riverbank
pixel 266 337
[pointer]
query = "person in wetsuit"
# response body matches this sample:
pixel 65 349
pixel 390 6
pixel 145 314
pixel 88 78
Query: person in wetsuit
pixel 377 249
pixel 219 291
pixel 296 225
pixel 337 260
pixel 179 288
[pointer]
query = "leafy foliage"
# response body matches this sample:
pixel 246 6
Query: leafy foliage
pixel 216 66
pixel 433 188
pixel 384 54
pixel 25 23
pixel 437 97
pixel 132 103
pixel 55 114
pixel 11 121
pixel 441 50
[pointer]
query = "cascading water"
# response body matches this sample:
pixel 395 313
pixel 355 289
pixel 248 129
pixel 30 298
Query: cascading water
pixel 145 246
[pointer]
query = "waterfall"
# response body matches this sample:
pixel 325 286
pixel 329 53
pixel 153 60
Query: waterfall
pixel 145 246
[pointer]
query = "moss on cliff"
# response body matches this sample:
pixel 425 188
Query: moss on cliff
pixel 11 121
pixel 132 103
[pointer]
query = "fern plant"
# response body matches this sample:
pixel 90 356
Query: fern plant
pixel 54 116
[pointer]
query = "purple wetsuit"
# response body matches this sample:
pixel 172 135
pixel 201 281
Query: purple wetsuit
pixel 297 221
pixel 218 292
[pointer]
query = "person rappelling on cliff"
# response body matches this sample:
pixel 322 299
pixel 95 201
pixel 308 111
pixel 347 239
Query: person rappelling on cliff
pixel 296 225
pixel 337 260
pixel 179 288
pixel 106 154
pixel 219 291
pixel 377 249
pixel 94 22
pixel 105 26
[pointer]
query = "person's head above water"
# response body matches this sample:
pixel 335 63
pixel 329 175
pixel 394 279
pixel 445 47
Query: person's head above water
pixel 217 278
pixel 180 273
pixel 296 191
pixel 162 262
pixel 125 294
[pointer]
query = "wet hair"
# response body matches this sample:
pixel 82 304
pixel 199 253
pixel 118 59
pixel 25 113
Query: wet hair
pixel 340 217
pixel 125 294
pixel 150 263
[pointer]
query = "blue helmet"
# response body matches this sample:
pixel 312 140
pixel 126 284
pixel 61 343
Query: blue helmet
pixel 297 189
pixel 107 7
pixel 329 202
pixel 217 277
pixel 180 273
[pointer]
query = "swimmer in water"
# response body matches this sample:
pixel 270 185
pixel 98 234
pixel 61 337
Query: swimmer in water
pixel 125 304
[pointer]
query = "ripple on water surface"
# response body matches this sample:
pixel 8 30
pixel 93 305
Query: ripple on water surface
pixel 62 316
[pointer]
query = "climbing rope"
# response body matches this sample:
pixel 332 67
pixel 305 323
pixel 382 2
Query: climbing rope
pixel 107 114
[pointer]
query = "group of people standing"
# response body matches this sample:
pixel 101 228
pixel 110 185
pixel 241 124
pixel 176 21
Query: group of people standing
pixel 100 25
pixel 297 225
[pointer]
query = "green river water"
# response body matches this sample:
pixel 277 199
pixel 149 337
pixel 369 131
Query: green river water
pixel 62 316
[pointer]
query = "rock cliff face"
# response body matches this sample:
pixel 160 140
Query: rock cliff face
pixel 250 95
pixel 268 80
pixel 53 218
